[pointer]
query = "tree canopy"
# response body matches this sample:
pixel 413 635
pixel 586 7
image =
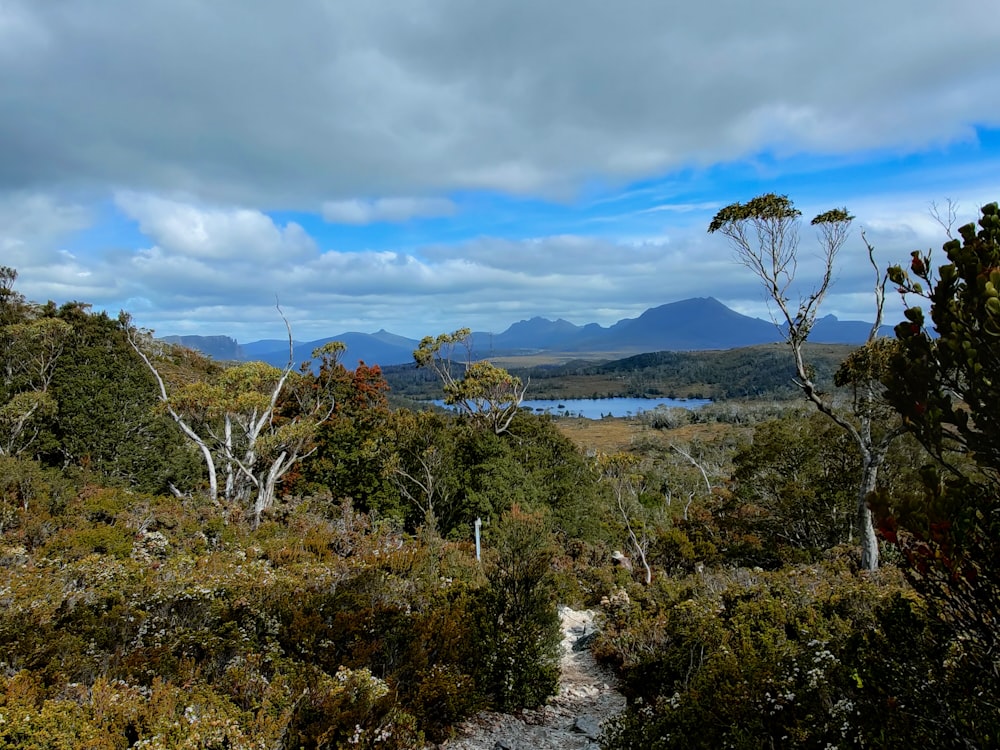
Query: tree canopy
pixel 764 234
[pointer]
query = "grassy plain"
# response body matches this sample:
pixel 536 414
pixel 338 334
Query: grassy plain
pixel 611 435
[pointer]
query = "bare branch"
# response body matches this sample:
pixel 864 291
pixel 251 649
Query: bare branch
pixel 773 222
pixel 698 466
pixel 133 336
pixel 947 219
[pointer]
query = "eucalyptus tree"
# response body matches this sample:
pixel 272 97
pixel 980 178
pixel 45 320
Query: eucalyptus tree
pixel 422 467
pixel 620 472
pixel 12 302
pixel 488 394
pixel 251 423
pixel 32 349
pixel 31 343
pixel 764 233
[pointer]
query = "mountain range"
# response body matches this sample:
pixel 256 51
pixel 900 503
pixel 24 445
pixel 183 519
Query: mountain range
pixel 689 325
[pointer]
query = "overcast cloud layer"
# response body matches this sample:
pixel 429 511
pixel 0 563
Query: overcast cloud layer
pixel 425 165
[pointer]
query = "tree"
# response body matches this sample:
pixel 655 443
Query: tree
pixel 32 349
pixel 107 420
pixel 253 423
pixel 351 447
pixel 421 468
pixel 12 302
pixel 794 489
pixel 487 393
pixel 450 469
pixel 945 386
pixel 31 343
pixel 764 234
pixel 73 393
pixel 620 472
pixel 520 631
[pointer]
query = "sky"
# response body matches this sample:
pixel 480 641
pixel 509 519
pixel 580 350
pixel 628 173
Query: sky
pixel 427 165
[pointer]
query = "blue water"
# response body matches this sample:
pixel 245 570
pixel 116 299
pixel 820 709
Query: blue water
pixel 595 408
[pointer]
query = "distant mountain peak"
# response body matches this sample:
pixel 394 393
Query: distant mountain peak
pixel 218 347
pixel 697 323
pixel 540 322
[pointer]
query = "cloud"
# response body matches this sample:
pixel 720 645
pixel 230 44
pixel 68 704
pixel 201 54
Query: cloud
pixel 361 212
pixel 225 267
pixel 36 221
pixel 450 163
pixel 32 227
pixel 21 35
pixel 211 269
pixel 555 254
pixel 214 233
pixel 327 101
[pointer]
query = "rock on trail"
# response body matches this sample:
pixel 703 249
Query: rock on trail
pixel 571 720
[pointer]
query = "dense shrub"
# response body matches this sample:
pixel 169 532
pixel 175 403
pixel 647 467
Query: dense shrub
pixel 749 659
pixel 794 491
pixel 518 630
pixel 353 636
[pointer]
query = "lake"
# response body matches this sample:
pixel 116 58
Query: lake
pixel 595 408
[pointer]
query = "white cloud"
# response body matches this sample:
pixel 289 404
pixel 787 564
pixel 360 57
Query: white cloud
pixel 37 220
pixel 215 233
pixel 361 212
pixel 21 34
pixel 32 226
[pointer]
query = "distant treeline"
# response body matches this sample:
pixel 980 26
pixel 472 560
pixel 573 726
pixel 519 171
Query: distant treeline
pixel 764 372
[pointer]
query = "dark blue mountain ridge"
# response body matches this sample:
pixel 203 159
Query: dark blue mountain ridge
pixel 216 347
pixel 688 325
pixel 535 334
pixel 370 348
pixel 691 324
pixel 393 339
pixel 255 349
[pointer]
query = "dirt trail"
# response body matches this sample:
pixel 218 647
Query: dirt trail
pixel 570 721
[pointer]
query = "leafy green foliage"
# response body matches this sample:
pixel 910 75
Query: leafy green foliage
pixel 793 492
pixel 448 472
pixel 519 629
pixel 745 659
pixel 107 420
pixel 769 209
pixel 31 343
pixel 945 387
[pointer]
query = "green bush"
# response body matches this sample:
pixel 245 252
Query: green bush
pixel 74 544
pixel 444 695
pixel 745 659
pixel 519 630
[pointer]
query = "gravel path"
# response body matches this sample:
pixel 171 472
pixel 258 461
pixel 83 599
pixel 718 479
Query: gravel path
pixel 570 721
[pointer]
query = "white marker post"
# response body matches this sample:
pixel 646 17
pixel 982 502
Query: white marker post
pixel 479 525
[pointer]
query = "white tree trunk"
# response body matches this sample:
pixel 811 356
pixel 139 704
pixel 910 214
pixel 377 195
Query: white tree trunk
pixel 228 442
pixel 866 527
pixel 206 452
pixel 265 493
